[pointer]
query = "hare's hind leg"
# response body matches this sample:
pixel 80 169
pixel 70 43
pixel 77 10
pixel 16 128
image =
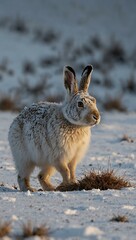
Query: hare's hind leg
pixel 44 178
pixel 24 178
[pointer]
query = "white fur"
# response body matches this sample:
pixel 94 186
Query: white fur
pixel 53 137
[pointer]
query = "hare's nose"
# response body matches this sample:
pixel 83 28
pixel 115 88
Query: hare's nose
pixel 95 117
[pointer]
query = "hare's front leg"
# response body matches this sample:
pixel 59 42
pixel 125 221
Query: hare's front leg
pixel 44 178
pixel 63 169
pixel 73 163
pixel 72 168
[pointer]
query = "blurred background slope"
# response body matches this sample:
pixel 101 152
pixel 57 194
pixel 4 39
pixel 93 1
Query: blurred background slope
pixel 37 38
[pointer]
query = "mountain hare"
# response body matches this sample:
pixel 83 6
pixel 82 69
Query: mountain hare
pixel 54 136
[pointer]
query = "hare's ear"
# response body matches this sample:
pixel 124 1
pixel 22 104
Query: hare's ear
pixel 70 80
pixel 85 78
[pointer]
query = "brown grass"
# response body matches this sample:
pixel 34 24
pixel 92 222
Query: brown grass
pixel 96 42
pixel 119 218
pixel 29 231
pixel 4 65
pixel 131 84
pixel 4 68
pixel 5 228
pixel 46 37
pixel 19 26
pixel 114 53
pixel 97 180
pixel 2 184
pixel 7 104
pixel 114 104
pixel 49 61
pixel 108 83
pixel 10 72
pixel 28 67
pixel 127 138
pixel 34 90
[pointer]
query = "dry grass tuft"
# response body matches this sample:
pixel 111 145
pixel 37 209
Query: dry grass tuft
pixel 29 67
pixel 96 42
pixel 131 84
pixel 69 187
pixel 108 83
pixel 2 184
pixel 19 26
pixel 4 68
pixel 5 228
pixel 119 218
pixel 115 53
pixel 29 231
pixel 7 104
pixel 114 104
pixel 4 65
pixel 26 88
pixel 97 180
pixel 47 37
pixel 49 61
pixel 127 138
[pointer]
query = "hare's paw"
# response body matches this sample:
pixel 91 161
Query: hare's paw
pixel 46 185
pixel 24 185
pixel 31 189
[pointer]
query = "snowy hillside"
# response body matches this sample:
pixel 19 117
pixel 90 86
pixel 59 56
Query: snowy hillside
pixel 37 39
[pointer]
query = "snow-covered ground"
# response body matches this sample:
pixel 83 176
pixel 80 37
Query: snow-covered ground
pixel 79 214
pixel 75 32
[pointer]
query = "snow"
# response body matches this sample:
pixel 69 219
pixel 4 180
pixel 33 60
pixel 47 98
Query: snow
pixel 70 212
pixel 78 214
pixel 74 24
pixel 89 231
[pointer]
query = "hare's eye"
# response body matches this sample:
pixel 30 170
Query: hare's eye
pixel 80 104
